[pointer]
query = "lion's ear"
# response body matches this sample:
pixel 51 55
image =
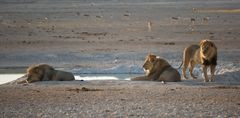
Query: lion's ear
pixel 152 58
pixel 203 41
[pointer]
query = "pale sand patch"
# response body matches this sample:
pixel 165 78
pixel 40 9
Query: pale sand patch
pixel 231 11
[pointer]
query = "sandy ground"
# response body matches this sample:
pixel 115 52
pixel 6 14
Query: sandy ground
pixel 117 98
pixel 91 36
pixel 99 33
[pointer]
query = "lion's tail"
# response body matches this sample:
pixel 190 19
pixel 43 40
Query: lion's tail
pixel 182 61
pixel 180 65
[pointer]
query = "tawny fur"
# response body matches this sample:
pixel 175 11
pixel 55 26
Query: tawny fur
pixel 158 69
pixel 204 54
pixel 44 72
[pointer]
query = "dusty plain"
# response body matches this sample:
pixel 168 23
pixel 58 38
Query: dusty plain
pixel 105 33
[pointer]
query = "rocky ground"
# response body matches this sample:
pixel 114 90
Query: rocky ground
pixel 119 99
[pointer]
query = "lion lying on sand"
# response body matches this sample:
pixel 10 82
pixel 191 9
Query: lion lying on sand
pixel 205 54
pixel 44 72
pixel 158 69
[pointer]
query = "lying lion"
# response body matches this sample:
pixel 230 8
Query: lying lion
pixel 205 54
pixel 158 69
pixel 44 72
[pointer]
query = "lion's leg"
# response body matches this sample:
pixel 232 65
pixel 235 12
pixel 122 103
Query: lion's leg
pixel 184 71
pixel 192 65
pixel 185 66
pixel 205 73
pixel 213 68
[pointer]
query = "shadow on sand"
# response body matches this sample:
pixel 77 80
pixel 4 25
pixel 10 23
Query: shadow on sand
pixel 227 78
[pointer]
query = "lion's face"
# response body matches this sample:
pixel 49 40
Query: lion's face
pixel 149 63
pixel 206 48
pixel 34 74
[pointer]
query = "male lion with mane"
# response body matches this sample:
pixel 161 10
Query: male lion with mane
pixel 205 54
pixel 44 72
pixel 158 69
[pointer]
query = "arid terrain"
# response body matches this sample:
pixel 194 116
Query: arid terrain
pixel 99 33
pixel 113 37
pixel 108 99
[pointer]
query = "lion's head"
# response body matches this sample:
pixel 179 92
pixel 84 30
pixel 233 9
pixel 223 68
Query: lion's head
pixel 149 63
pixel 34 73
pixel 207 49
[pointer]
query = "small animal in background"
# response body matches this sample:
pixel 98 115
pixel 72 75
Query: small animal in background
pixel 149 25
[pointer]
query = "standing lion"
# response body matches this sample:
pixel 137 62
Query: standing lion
pixel 205 54
pixel 44 72
pixel 158 69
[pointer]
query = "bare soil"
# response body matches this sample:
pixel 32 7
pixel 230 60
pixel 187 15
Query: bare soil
pixel 105 33
pixel 107 99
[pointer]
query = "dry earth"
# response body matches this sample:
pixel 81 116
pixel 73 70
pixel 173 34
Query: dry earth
pixel 105 33
pixel 78 34
pixel 107 99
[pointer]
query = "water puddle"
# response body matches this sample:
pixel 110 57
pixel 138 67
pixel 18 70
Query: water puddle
pixel 5 78
pixel 104 76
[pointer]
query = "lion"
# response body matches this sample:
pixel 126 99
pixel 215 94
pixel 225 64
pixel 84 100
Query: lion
pixel 158 69
pixel 205 54
pixel 44 72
